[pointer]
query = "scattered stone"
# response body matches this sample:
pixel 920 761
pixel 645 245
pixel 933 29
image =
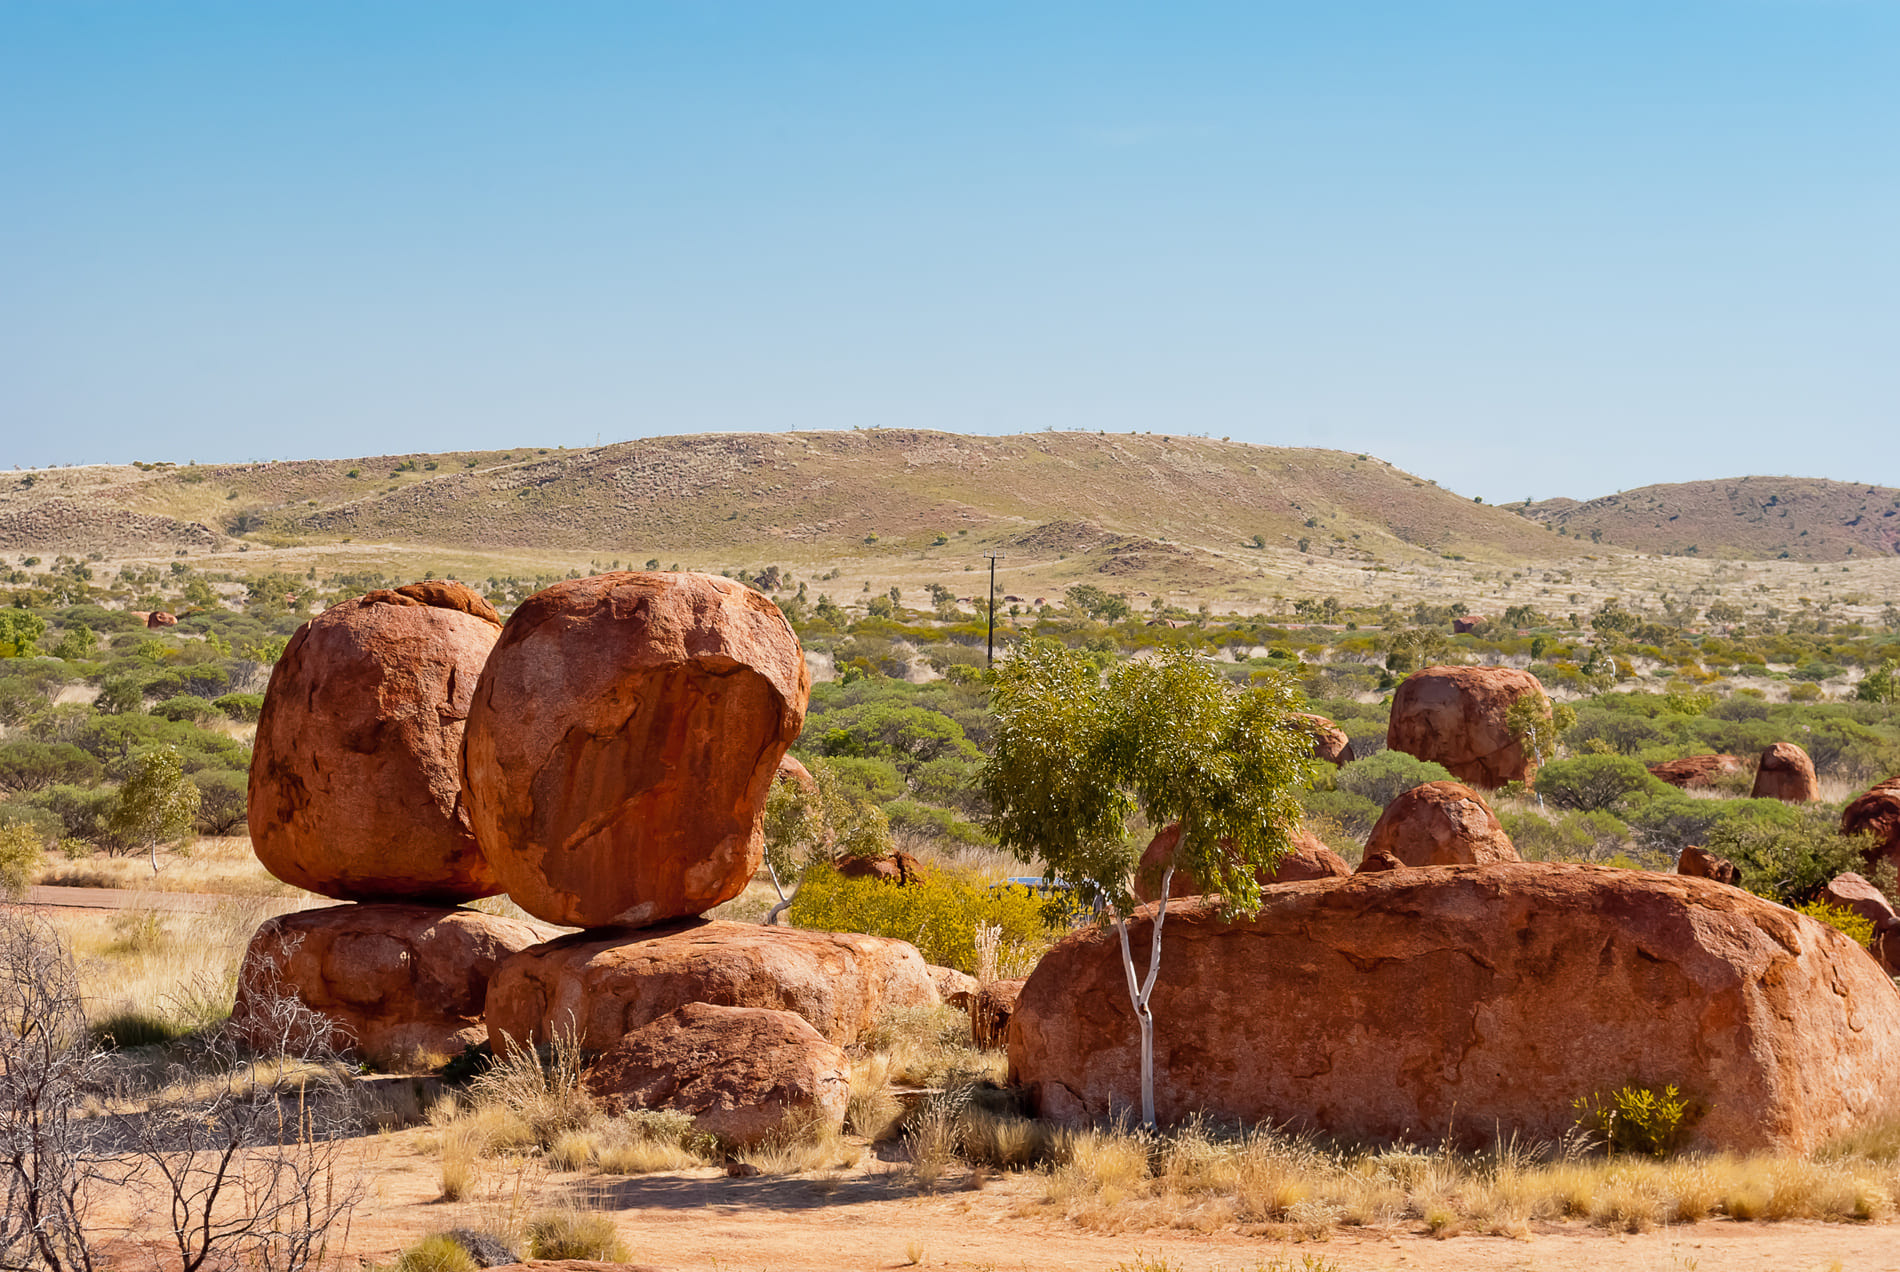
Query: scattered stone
pixel 742 1074
pixel 1310 859
pixel 1457 717
pixel 623 740
pixel 1786 773
pixel 608 982
pixel 990 1013
pixel 1440 824
pixel 1376 862
pixel 1330 742
pixel 1466 1003
pixel 356 784
pixel 1699 863
pixel 401 984
pixel 1694 772
pixel 1853 893
pixel 487 1249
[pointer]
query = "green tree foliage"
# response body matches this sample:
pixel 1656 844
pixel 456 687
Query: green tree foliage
pixel 1537 723
pixel 1103 606
pixel 805 826
pixel 34 766
pixel 76 644
pixel 1077 753
pixel 1384 777
pixel 223 801
pixel 20 631
pixel 1790 860
pixel 21 855
pixel 157 803
pixel 1592 783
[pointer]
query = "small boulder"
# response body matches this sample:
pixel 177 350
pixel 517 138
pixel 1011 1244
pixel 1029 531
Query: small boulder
pixel 356 784
pixel 397 983
pixel 1379 862
pixel 1465 624
pixel 956 989
pixel 607 982
pixel 1459 717
pixel 623 740
pixel 1886 946
pixel 1786 773
pixel 995 1003
pixel 160 618
pixel 1853 893
pixel 1699 863
pixel 897 867
pixel 1330 742
pixel 790 770
pixel 1877 813
pixel 742 1074
pixel 1694 772
pixel 1440 824
pixel 1310 859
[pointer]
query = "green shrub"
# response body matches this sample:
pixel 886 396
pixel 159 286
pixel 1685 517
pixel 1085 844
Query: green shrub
pixel 1860 930
pixel 242 707
pixel 438 1253
pixel 1790 861
pixel 223 800
pixel 1593 837
pixel 873 780
pixel 185 708
pixel 939 914
pixel 1354 814
pixel 939 823
pixel 22 853
pixel 1636 1119
pixel 1384 777
pixel 1592 783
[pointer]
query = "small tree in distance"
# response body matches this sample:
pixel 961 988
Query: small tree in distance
pixel 158 803
pixel 1077 753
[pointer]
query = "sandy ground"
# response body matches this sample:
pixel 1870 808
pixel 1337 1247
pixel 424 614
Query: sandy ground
pixel 873 1217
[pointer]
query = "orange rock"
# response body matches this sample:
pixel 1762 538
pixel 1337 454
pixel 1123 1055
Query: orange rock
pixel 1456 716
pixel 1330 742
pixel 1699 863
pixel 898 867
pixel 623 740
pixel 159 618
pixel 1440 824
pixel 608 981
pixel 1693 772
pixel 1877 813
pixel 1310 859
pixel 957 989
pixel 995 1003
pixel 1468 623
pixel 1786 773
pixel 396 983
pixel 356 779
pixel 1854 894
pixel 1470 1003
pixel 741 1073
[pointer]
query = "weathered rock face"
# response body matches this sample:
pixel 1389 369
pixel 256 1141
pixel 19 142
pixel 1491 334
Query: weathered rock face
pixel 1440 824
pixel 1699 863
pixel 1310 859
pixel 1786 773
pixel 1376 862
pixel 356 774
pixel 1456 716
pixel 956 989
pixel 741 1073
pixel 398 983
pixel 606 983
pixel 1877 813
pixel 1330 742
pixel 1853 893
pixel 991 1010
pixel 1692 772
pixel 623 740
pixel 160 618
pixel 1470 1002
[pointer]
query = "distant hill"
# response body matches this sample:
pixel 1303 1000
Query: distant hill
pixel 1803 518
pixel 1137 508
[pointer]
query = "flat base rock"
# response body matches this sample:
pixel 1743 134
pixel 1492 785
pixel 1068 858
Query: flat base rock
pixel 742 1074
pixel 1472 1002
pixel 605 983
pixel 401 984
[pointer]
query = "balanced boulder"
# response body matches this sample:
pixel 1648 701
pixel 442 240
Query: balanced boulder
pixel 1459 717
pixel 401 984
pixel 623 740
pixel 1440 824
pixel 1699 863
pixel 1786 773
pixel 742 1074
pixel 1694 772
pixel 356 784
pixel 1310 859
pixel 606 983
pixel 1877 813
pixel 1472 1003
pixel 1330 742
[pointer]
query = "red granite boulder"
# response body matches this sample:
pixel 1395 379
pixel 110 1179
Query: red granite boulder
pixel 1459 717
pixel 1440 824
pixel 1786 773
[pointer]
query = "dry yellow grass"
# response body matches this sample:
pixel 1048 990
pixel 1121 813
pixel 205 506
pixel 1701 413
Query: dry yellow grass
pixel 223 865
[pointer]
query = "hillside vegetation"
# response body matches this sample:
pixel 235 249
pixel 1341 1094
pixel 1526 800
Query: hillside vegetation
pixel 1799 518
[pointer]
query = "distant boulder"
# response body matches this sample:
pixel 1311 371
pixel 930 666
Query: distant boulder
pixel 1786 773
pixel 1310 859
pixel 1440 824
pixel 159 618
pixel 1330 742
pixel 1877 813
pixel 1693 772
pixel 1699 863
pixel 1459 717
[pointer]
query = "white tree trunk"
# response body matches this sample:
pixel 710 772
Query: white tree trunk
pixel 1139 994
pixel 784 902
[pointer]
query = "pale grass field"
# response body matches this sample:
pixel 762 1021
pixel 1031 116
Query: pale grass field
pixel 220 865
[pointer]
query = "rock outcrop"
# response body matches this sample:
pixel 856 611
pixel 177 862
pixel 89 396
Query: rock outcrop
pixel 741 1073
pixel 1877 813
pixel 895 867
pixel 160 618
pixel 1310 859
pixel 606 983
pixel 1693 772
pixel 623 740
pixel 355 787
pixel 1458 717
pixel 1786 773
pixel 1440 824
pixel 1472 1002
pixel 398 983
pixel 1330 742
pixel 1854 894
pixel 1699 863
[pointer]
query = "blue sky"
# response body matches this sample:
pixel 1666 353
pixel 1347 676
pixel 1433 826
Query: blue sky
pixel 1525 249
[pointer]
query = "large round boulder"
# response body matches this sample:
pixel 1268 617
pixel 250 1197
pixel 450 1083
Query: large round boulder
pixel 1786 773
pixel 1877 813
pixel 606 983
pixel 401 984
pixel 743 1074
pixel 356 784
pixel 1459 717
pixel 1473 1003
pixel 1310 859
pixel 1330 742
pixel 623 740
pixel 1696 772
pixel 1440 824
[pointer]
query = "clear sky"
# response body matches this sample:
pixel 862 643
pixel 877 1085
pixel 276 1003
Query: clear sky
pixel 1525 248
